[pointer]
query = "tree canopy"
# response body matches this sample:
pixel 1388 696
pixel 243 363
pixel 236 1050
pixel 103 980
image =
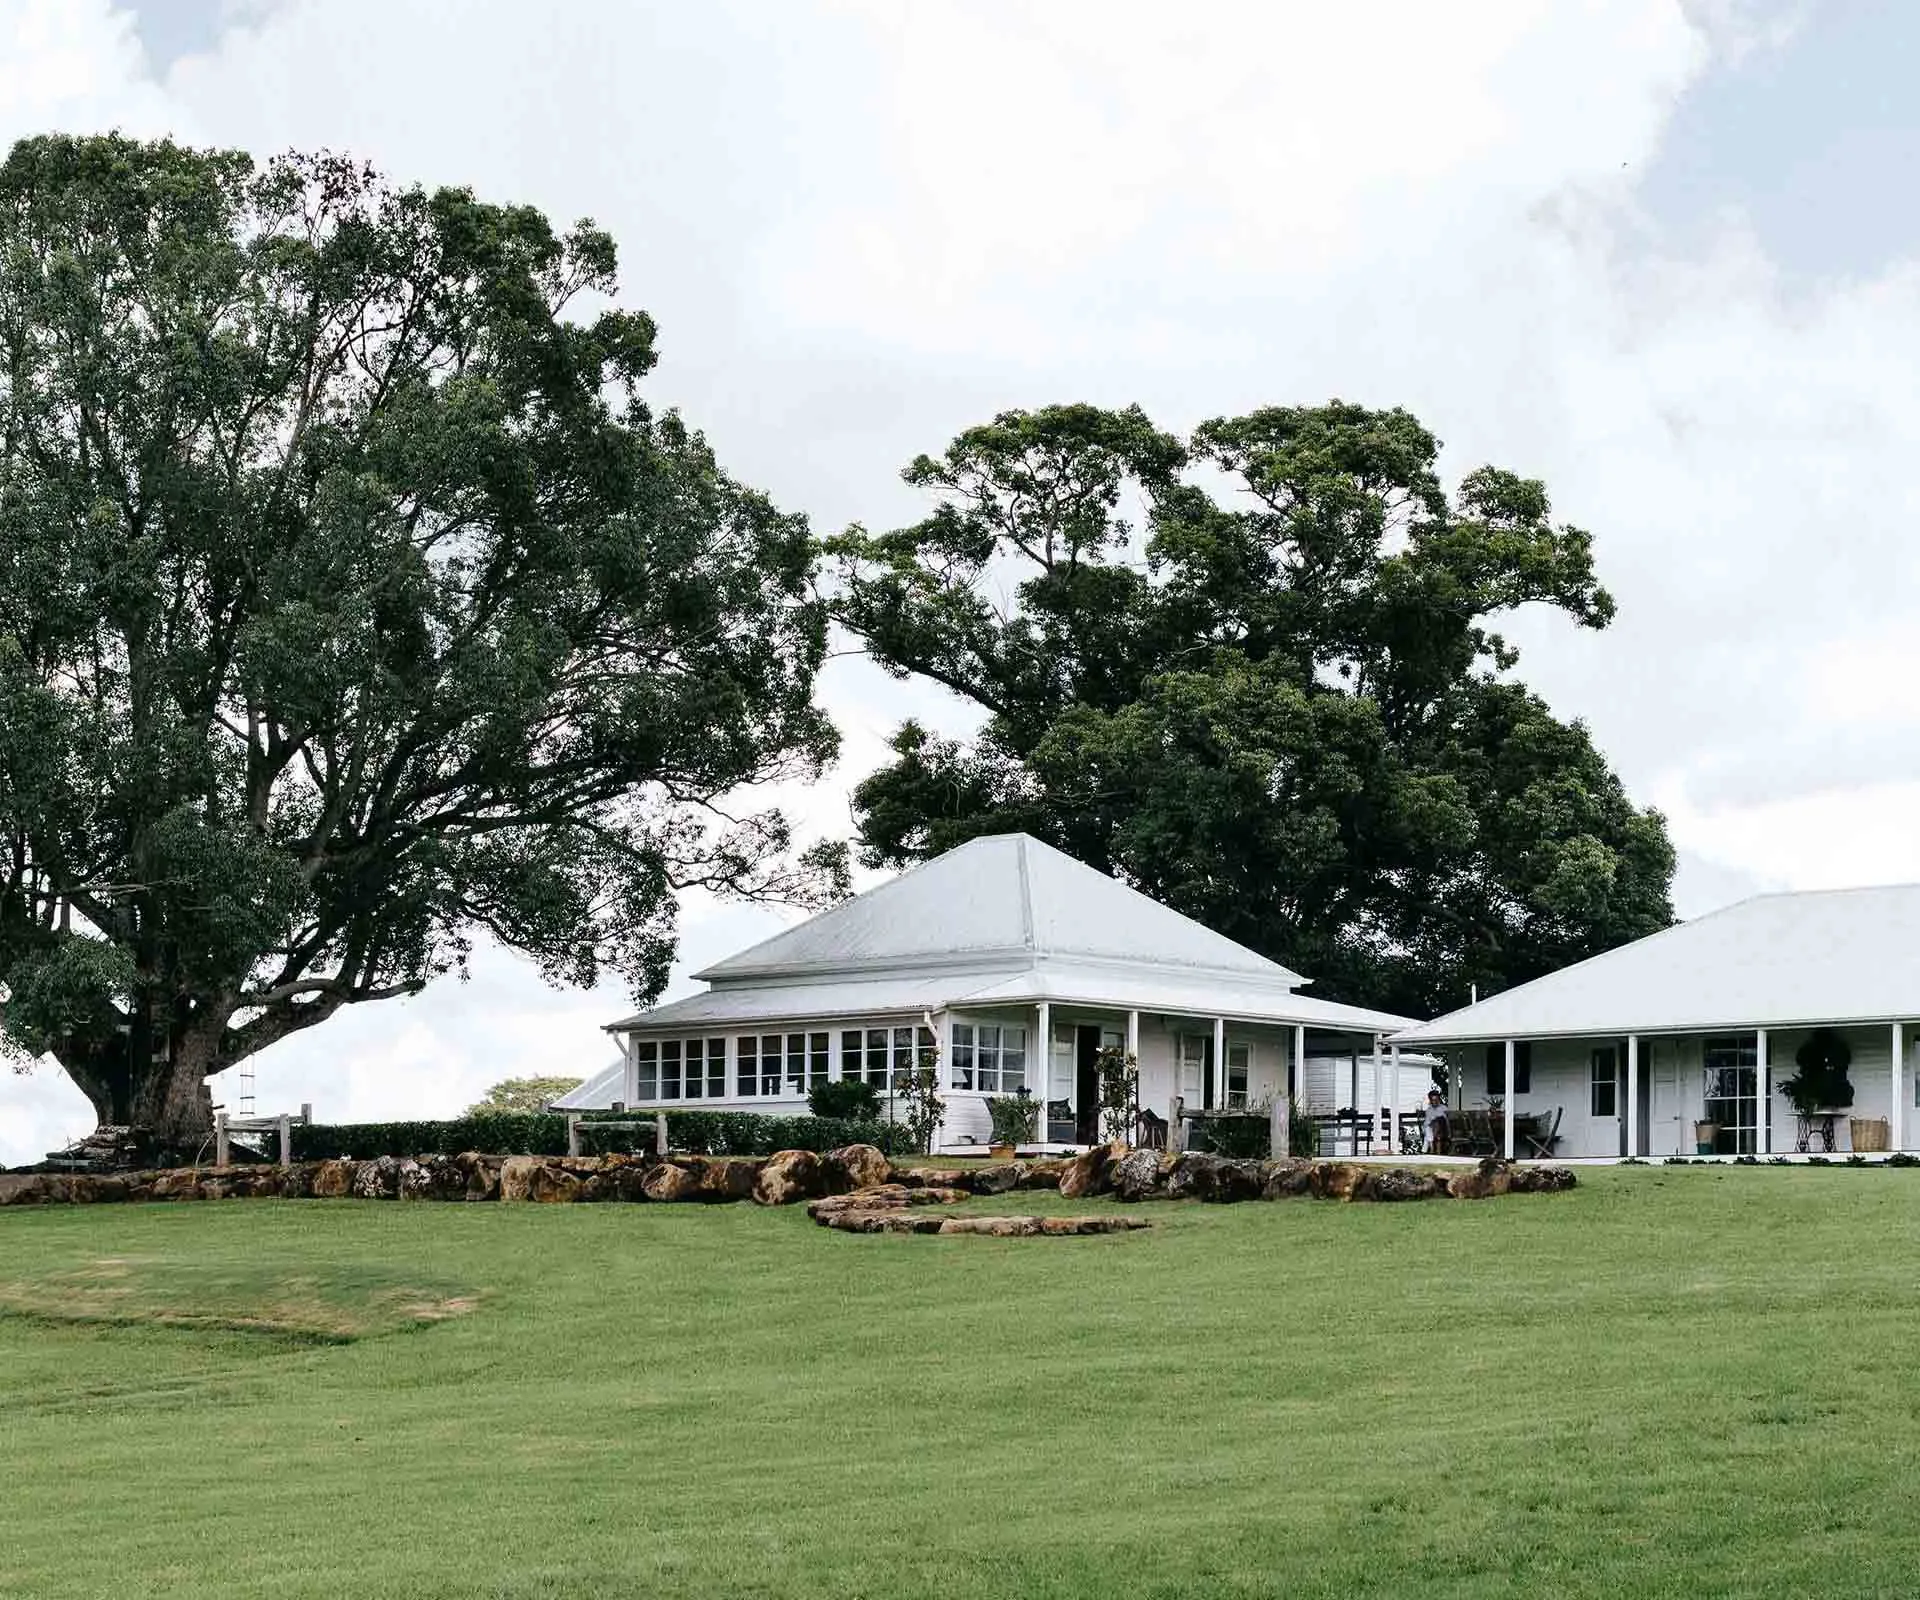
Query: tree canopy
pixel 353 605
pixel 1255 673
pixel 523 1094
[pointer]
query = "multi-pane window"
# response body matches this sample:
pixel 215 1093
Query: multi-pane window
pixel 782 1063
pixel 1191 1051
pixel 1603 1081
pixel 1239 1067
pixel 988 1056
pixel 679 1069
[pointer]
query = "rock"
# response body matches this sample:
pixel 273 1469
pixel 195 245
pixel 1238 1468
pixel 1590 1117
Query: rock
pixel 669 1181
pixel 993 1227
pixel 1398 1183
pixel 998 1178
pixel 1238 1178
pixel 378 1179
pixel 934 1177
pixel 1193 1176
pixel 1287 1178
pixel 1541 1180
pixel 884 1197
pixel 630 1181
pixel 177 1183
pixel 1483 1181
pixel 23 1189
pixel 1137 1175
pixel 1042 1172
pixel 789 1176
pixel 297 1181
pixel 480 1174
pixel 516 1176
pixel 1056 1227
pixel 728 1177
pixel 332 1179
pixel 855 1166
pixel 1086 1173
pixel 1336 1180
pixel 855 1220
pixel 551 1184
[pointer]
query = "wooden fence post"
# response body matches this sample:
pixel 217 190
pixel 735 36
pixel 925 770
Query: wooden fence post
pixel 286 1141
pixel 573 1133
pixel 1177 1134
pixel 1280 1136
pixel 660 1133
pixel 221 1150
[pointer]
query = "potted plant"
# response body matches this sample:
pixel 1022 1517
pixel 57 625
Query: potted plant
pixel 1821 1084
pixel 1016 1121
pixel 1706 1134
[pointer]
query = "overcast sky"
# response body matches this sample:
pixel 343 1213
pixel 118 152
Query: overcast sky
pixel 1652 251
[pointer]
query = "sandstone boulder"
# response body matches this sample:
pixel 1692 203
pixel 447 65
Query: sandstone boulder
pixel 728 1177
pixel 1087 1172
pixel 1042 1172
pixel 549 1184
pixel 1287 1178
pixel 933 1177
pixel 1238 1178
pixel 1398 1183
pixel 1073 1227
pixel 378 1179
pixel 23 1189
pixel 1193 1176
pixel 993 1227
pixel 177 1183
pixel 884 1197
pixel 516 1176
pixel 668 1181
pixel 1483 1181
pixel 480 1174
pixel 998 1178
pixel 789 1176
pixel 1541 1180
pixel 331 1179
pixel 855 1166
pixel 856 1220
pixel 1137 1175
pixel 1336 1180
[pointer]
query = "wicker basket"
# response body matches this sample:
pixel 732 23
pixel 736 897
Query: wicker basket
pixel 1869 1133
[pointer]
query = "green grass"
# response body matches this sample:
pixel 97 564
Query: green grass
pixel 1669 1382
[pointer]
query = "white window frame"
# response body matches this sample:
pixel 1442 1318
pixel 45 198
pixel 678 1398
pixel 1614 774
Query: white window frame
pixel 987 1057
pixel 651 1057
pixel 1239 1099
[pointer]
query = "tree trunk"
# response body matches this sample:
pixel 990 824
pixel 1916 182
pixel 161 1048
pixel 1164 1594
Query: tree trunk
pixel 168 1098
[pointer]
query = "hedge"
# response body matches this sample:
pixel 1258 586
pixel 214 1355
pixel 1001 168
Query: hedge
pixel 544 1133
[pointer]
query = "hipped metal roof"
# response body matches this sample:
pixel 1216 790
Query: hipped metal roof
pixel 1777 960
pixel 1002 920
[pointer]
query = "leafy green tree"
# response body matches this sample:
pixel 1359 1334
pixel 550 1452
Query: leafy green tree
pixel 523 1094
pixel 353 604
pixel 1256 674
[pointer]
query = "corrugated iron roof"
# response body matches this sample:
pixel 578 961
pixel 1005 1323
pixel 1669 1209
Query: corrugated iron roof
pixel 1777 960
pixel 1003 895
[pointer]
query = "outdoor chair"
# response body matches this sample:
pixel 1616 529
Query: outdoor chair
pixel 1060 1124
pixel 1151 1131
pixel 1543 1134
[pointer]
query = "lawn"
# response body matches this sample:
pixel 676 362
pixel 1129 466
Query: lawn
pixel 1671 1381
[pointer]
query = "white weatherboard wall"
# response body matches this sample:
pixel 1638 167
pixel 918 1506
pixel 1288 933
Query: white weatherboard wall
pixel 1674 1078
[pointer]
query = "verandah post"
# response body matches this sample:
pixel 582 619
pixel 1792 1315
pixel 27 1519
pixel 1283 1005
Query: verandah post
pixel 1219 1064
pixel 1043 1069
pixel 1633 1094
pixel 1897 1107
pixel 1377 1076
pixel 1763 1092
pixel 1300 1062
pixel 1393 1106
pixel 1506 1132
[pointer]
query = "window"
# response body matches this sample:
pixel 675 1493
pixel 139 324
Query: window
pixel 1239 1066
pixel 675 1069
pixel 759 1070
pixel 1522 1068
pixel 1191 1050
pixel 988 1056
pixel 1603 1081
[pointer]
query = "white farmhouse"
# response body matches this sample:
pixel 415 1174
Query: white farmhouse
pixel 1680 1043
pixel 1019 963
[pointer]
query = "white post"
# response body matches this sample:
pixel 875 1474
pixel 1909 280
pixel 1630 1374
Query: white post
pixel 573 1133
pixel 1133 1056
pixel 306 1113
pixel 221 1150
pixel 1633 1094
pixel 1377 1077
pixel 1393 1107
pixel 1763 1093
pixel 1219 1064
pixel 1897 1113
pixel 1300 1063
pixel 659 1133
pixel 1507 1120
pixel 1045 1063
pixel 286 1141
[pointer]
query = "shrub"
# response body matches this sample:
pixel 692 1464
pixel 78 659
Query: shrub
pixel 1015 1118
pixel 1241 1137
pixel 846 1100
pixel 712 1133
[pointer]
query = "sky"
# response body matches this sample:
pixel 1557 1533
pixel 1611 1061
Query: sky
pixel 1649 251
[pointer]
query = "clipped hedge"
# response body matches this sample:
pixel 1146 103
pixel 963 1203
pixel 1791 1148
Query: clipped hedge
pixel 544 1133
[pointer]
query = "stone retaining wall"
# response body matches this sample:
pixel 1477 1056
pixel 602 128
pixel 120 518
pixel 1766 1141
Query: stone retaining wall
pixel 785 1178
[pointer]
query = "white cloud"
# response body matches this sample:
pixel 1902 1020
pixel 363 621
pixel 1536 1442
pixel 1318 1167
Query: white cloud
pixel 864 225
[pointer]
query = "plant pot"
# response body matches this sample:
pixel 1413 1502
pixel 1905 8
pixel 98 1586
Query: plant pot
pixel 1705 1136
pixel 1000 1152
